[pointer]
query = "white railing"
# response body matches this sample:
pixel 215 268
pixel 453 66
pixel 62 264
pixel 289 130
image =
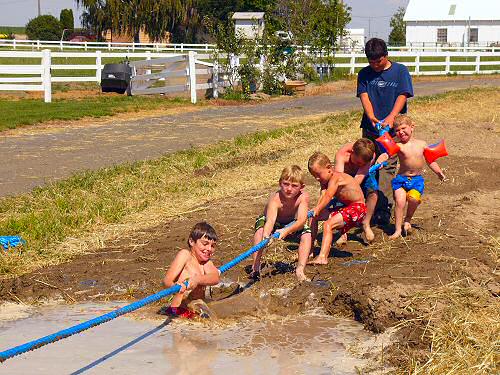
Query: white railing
pixel 450 62
pixel 148 74
pixel 206 47
pixel 39 77
pixel 109 46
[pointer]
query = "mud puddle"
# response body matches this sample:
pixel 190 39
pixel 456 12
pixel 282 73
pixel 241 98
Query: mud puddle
pixel 302 344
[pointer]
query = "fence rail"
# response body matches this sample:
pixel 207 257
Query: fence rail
pixel 18 44
pixel 16 74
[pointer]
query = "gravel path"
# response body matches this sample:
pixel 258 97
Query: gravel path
pixel 34 159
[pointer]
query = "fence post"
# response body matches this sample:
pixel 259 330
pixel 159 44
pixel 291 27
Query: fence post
pixel 46 76
pixel 192 75
pixel 148 57
pixel 38 45
pixel 98 63
pixel 14 44
pixel 215 80
pixel 61 45
pixel 478 63
pixel 447 62
pixel 109 46
pixel 353 64
pixel 417 63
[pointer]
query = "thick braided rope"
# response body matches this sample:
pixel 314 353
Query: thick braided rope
pixel 38 343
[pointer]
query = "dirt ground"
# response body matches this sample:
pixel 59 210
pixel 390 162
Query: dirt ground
pixel 452 238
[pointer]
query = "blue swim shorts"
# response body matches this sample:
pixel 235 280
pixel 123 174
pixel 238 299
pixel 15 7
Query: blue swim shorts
pixel 413 185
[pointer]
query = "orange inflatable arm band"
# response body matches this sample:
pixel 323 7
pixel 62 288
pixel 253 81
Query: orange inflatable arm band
pixel 388 144
pixel 435 151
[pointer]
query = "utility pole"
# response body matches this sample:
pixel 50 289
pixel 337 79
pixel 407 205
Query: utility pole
pixel 369 27
pixel 39 12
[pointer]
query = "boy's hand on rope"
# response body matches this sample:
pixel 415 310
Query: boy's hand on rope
pixel 282 233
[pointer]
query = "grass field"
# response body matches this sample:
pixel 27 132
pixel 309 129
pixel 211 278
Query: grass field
pixel 16 113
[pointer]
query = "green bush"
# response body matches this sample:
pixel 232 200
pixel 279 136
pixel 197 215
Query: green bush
pixel 44 28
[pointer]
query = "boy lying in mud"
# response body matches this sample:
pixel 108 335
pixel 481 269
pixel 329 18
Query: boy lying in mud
pixel 355 159
pixel 408 185
pixel 195 267
pixel 289 203
pixel 346 190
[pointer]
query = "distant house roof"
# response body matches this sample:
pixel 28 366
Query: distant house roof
pixel 452 10
pixel 248 15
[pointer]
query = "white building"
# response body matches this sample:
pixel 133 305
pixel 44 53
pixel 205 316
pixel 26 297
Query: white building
pixel 249 24
pixel 354 39
pixel 453 22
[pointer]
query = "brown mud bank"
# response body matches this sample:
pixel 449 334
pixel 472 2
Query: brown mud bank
pixel 453 241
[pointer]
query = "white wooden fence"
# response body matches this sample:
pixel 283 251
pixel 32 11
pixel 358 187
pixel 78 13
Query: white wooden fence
pixel 38 45
pixel 38 77
pixel 151 76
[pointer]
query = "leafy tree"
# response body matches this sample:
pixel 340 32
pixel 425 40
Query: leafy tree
pixel 397 36
pixel 66 19
pixel 155 17
pixel 44 27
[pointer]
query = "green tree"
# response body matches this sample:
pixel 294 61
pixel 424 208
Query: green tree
pixel 44 27
pixel 66 19
pixel 397 37
pixel 155 17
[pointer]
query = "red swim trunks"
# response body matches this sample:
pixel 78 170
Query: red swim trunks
pixel 181 312
pixel 352 215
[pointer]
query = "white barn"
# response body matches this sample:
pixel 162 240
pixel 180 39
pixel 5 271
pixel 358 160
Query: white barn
pixel 453 22
pixel 249 24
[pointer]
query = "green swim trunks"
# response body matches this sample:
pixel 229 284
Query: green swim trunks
pixel 261 220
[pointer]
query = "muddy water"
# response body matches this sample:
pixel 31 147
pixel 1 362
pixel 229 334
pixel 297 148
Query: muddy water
pixel 306 344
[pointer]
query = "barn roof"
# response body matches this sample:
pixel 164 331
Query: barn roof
pixel 452 10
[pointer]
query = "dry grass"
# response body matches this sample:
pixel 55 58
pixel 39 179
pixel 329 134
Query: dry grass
pixel 462 324
pixel 86 211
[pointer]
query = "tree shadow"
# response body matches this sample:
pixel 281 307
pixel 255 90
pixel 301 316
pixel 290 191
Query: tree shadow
pixel 122 348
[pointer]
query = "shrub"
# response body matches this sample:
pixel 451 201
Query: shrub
pixel 44 27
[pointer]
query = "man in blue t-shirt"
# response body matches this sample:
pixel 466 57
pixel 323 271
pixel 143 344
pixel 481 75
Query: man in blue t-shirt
pixel 383 87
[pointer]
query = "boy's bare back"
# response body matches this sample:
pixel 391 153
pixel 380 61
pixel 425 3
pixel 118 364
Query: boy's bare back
pixel 347 189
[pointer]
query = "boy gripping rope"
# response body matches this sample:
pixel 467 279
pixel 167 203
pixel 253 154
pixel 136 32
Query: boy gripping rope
pixel 289 203
pixel 347 191
pixel 195 267
pixel 355 159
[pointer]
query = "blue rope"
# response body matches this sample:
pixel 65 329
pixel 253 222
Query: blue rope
pixel 38 343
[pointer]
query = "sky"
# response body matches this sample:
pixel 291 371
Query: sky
pixel 372 15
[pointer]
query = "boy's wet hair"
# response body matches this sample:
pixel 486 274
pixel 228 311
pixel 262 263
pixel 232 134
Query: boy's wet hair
pixel 375 48
pixel 292 173
pixel 200 230
pixel 403 120
pixel 318 158
pixel 364 148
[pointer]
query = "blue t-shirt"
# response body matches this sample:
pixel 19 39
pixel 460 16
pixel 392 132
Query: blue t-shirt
pixel 383 88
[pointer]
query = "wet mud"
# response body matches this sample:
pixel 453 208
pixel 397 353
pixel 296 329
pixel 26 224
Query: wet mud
pixel 368 283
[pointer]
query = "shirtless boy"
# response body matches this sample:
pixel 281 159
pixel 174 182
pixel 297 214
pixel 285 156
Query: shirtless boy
pixel 346 190
pixel 289 203
pixel 355 159
pixel 195 267
pixel 408 185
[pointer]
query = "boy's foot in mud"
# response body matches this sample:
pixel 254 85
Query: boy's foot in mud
pixel 342 240
pixel 301 276
pixel 318 261
pixel 395 235
pixel 254 275
pixel 368 234
pixel 407 228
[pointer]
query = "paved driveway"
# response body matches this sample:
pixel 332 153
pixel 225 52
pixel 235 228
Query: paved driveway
pixel 30 160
